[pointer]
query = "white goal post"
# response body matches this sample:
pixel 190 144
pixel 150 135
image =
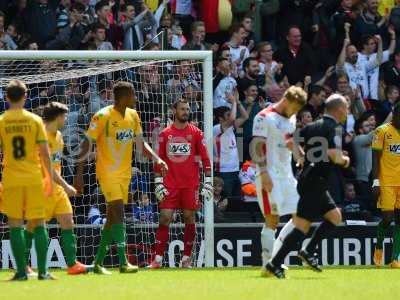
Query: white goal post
pixel 202 58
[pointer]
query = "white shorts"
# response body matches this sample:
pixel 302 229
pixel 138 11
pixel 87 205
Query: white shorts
pixel 283 198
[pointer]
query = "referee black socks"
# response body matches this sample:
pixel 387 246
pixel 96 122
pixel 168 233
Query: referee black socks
pixel 318 235
pixel 291 242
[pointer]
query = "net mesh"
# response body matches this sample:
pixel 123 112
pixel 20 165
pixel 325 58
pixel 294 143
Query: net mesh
pixel 86 87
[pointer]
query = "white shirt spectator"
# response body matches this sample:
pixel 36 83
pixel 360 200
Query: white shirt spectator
pixel 272 68
pixel 247 175
pixel 235 54
pixel 373 74
pixel 226 154
pixel 276 129
pixel 358 74
pixel 226 86
pixel 183 7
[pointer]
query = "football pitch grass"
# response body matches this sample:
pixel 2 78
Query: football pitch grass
pixel 204 284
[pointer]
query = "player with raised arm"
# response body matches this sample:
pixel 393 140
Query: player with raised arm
pixel 271 150
pixel 25 154
pixel 115 129
pixel 182 146
pixel 58 205
pixel 386 184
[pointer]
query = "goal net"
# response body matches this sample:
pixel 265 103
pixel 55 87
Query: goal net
pixel 84 83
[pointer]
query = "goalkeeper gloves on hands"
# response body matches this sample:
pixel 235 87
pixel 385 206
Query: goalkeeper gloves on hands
pixel 160 190
pixel 207 188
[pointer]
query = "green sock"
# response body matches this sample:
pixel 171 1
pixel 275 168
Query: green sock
pixel 68 241
pixel 41 244
pixel 17 240
pixel 105 241
pixel 396 243
pixel 28 243
pixel 118 233
pixel 380 234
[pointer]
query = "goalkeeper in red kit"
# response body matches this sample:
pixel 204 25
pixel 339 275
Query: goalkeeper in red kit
pixel 182 147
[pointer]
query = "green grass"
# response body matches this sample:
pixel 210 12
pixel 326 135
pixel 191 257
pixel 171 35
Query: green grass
pixel 207 284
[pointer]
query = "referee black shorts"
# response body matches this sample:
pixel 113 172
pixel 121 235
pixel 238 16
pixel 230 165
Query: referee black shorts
pixel 315 200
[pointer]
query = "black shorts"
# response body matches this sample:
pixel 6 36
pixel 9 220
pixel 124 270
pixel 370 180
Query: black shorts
pixel 315 200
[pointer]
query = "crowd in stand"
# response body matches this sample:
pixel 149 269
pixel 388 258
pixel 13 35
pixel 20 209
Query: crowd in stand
pixel 346 46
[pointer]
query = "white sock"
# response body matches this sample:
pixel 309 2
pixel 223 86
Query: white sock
pixel 282 235
pixel 267 243
pixel 158 258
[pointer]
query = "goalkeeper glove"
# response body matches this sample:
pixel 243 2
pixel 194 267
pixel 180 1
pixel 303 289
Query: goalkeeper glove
pixel 207 188
pixel 160 190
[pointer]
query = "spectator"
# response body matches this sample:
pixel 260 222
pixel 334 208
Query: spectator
pixel 226 151
pixel 70 36
pixel 40 21
pixel 238 52
pixel 225 84
pixel 251 76
pixel 296 57
pixel 370 22
pixel 304 117
pixel 392 96
pixel 113 32
pixel 15 35
pixel 344 14
pixel 363 157
pixel 63 11
pixel 99 38
pixel 182 12
pixel 391 72
pixel 133 35
pixel 353 207
pixel 369 53
pixel 144 212
pixel 220 201
pixel 247 176
pixel 89 14
pixel 357 69
pixel 317 97
pixel 248 41
pixel 266 62
pixel 94 216
pixel 198 34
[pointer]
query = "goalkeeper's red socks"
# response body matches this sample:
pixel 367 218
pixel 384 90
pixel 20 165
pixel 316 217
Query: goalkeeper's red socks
pixel 188 239
pixel 162 237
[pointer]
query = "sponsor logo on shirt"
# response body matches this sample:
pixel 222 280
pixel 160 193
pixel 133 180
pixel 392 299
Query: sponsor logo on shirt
pixel 394 148
pixel 179 148
pixel 124 135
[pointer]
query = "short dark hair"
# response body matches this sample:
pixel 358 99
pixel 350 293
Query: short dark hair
pixel 219 112
pixel 99 5
pixel 176 103
pixel 97 26
pixel 53 110
pixel 247 62
pixel 390 89
pixel 122 89
pixel 365 39
pixel 196 24
pixel 78 7
pixel 235 28
pixel 292 27
pixel 16 91
pixel 316 89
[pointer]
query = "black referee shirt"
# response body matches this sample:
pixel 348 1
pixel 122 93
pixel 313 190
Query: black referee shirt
pixel 317 138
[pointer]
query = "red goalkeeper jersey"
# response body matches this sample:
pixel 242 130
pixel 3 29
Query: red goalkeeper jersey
pixel 184 151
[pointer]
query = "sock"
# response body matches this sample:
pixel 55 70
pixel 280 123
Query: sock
pixel 318 234
pixel 119 236
pixel 41 244
pixel 291 242
pixel 380 233
pixel 68 241
pixel 28 243
pixel 267 243
pixel 162 237
pixel 188 239
pixel 17 240
pixel 105 241
pixel 396 243
pixel 282 235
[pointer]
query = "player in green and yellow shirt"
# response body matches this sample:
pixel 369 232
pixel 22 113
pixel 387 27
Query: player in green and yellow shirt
pixel 58 205
pixel 25 155
pixel 386 184
pixel 115 129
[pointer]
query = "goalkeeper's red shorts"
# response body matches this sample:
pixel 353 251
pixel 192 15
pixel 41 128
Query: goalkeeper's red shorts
pixel 183 198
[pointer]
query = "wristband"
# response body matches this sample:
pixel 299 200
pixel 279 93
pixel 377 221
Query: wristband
pixel 375 183
pixel 158 180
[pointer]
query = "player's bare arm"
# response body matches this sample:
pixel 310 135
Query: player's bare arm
pixel 376 158
pixel 338 157
pixel 70 190
pixel 46 163
pixel 145 149
pixel 78 179
pixel 261 161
